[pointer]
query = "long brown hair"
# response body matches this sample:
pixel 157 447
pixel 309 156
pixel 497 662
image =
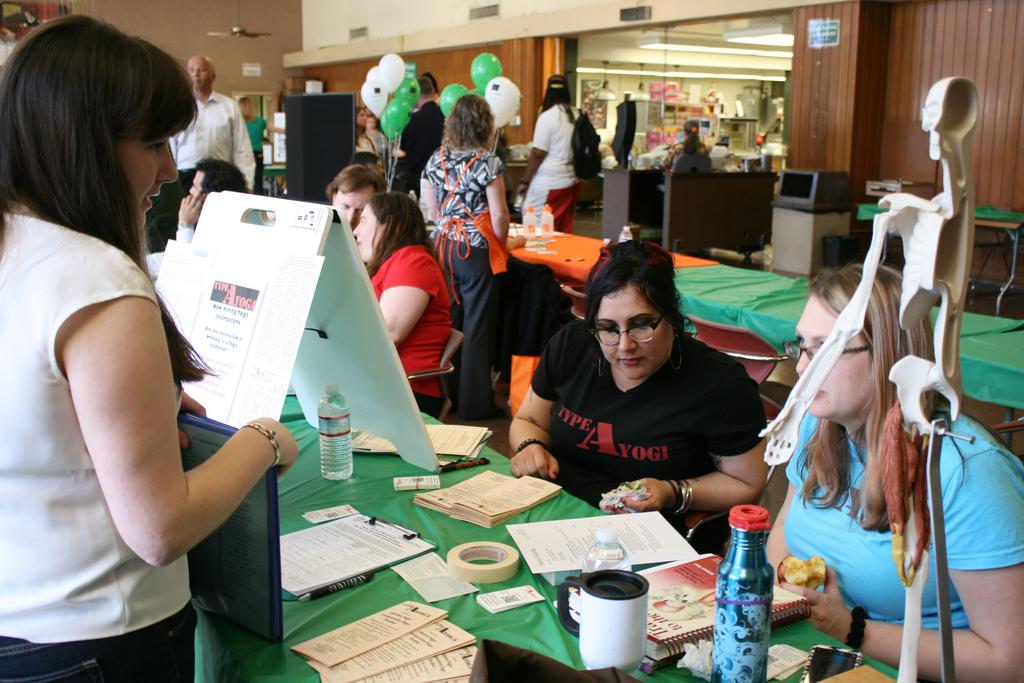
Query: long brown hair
pixel 399 224
pixel 71 91
pixel 828 459
pixel 470 125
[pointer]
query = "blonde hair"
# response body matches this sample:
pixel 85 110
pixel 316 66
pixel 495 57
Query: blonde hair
pixel 828 458
pixel 470 125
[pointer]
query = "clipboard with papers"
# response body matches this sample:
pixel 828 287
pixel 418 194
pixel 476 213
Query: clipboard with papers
pixel 358 544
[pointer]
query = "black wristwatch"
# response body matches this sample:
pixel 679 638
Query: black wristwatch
pixel 855 638
pixel 525 443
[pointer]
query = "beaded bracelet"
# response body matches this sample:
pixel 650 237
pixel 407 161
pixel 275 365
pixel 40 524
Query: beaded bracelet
pixel 271 436
pixel 855 638
pixel 529 442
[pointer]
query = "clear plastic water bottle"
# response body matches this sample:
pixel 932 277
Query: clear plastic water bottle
pixel 626 234
pixel 743 596
pixel 607 553
pixel 547 223
pixel 335 435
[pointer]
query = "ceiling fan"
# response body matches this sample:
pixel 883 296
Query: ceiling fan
pixel 237 31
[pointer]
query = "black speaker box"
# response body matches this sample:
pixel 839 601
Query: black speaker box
pixel 321 141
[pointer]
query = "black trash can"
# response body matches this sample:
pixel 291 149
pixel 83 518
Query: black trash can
pixel 838 250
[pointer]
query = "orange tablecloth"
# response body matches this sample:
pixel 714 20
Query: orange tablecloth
pixel 574 256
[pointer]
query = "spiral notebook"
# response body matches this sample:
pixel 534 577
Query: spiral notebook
pixel 681 608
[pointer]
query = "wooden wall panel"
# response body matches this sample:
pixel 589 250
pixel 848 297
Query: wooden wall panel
pixel 527 61
pixel 838 92
pixel 982 40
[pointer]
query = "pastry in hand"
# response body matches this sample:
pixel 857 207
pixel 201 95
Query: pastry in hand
pixel 807 573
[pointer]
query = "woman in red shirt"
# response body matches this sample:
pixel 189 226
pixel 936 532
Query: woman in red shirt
pixel 410 287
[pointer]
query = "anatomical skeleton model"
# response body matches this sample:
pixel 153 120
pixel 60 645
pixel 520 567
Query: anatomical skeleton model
pixel 938 238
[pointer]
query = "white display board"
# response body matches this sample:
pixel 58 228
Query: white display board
pixel 272 289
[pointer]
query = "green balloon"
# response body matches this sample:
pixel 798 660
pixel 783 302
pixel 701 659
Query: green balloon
pixel 450 95
pixel 395 118
pixel 485 67
pixel 408 90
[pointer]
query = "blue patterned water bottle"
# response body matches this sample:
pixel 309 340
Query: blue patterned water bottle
pixel 744 601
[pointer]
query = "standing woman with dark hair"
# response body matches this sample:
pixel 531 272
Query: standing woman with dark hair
pixel 465 192
pixel 624 395
pixel 549 177
pixel 409 285
pixel 97 513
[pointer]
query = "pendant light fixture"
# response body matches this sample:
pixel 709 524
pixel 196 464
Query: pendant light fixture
pixel 641 93
pixel 606 94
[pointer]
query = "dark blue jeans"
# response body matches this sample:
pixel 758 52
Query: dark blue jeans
pixel 161 652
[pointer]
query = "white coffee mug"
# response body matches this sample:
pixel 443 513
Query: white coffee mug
pixel 612 627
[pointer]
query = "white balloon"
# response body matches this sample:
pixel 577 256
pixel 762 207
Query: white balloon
pixel 504 97
pixel 374 74
pixel 392 71
pixel 375 96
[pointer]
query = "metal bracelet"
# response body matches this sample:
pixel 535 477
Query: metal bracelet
pixel 677 491
pixel 686 496
pixel 271 436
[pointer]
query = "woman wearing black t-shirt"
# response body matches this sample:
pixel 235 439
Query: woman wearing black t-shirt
pixel 623 395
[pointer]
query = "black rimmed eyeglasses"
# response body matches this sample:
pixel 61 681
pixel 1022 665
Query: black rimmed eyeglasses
pixel 797 346
pixel 641 333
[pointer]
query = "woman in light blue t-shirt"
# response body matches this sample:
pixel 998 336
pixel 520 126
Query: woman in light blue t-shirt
pixel 835 507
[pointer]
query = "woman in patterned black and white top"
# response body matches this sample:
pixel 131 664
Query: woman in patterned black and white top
pixel 465 193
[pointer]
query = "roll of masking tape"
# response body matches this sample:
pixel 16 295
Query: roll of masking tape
pixel 483 562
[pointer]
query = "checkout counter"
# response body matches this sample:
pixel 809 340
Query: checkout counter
pixel 694 210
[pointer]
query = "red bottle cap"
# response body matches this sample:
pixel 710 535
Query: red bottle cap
pixel 749 518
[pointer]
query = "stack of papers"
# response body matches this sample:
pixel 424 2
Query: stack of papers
pixel 407 642
pixel 452 440
pixel 488 499
pixel 554 549
pixel 338 550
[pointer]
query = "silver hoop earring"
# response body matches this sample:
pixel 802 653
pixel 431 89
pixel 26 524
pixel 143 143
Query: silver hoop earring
pixel 600 366
pixel 676 362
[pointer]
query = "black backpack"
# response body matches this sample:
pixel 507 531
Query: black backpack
pixel 586 159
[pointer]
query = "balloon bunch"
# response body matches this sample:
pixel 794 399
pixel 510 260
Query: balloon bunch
pixel 501 94
pixel 383 80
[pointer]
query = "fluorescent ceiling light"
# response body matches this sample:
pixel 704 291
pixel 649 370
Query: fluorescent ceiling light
pixel 776 39
pixel 681 74
pixel 718 50
pixel 758 32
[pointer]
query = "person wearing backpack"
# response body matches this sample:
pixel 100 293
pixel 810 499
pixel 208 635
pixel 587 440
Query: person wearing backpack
pixel 550 177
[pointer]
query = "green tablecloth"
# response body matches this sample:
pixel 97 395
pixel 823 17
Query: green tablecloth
pixel 867 212
pixel 770 305
pixel 226 652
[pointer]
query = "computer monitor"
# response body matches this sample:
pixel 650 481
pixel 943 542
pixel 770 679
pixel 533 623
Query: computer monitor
pixel 625 131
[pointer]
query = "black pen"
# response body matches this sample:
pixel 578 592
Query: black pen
pixel 335 587
pixel 463 464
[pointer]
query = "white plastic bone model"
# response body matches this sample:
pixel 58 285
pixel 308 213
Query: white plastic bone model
pixel 938 239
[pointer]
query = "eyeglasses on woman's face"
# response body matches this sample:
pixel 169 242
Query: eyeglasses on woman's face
pixel 641 332
pixel 799 345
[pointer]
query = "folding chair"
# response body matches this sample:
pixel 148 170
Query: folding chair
pixel 442 371
pixel 757 357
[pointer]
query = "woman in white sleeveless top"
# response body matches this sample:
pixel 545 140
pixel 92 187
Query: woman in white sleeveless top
pixel 96 513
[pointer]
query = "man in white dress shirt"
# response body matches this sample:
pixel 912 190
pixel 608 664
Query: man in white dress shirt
pixel 217 132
